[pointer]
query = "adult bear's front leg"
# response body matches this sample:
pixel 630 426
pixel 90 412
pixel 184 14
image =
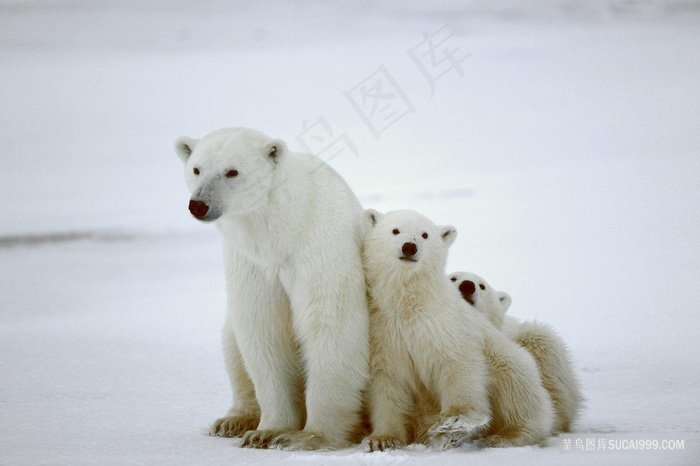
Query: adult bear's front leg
pixel 331 323
pixel 244 414
pixel 260 315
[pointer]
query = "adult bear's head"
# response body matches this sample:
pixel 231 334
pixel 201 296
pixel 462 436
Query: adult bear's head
pixel 229 171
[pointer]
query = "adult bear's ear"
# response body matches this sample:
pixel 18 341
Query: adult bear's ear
pixel 448 233
pixel 275 149
pixel 505 300
pixel 184 146
pixel 370 217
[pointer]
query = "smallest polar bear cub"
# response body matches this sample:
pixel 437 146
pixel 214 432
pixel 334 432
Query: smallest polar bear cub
pixel 491 303
pixel 539 339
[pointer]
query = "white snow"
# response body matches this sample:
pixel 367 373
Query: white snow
pixel 566 155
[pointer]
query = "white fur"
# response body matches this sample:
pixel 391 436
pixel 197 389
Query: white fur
pixel 296 331
pixel 548 349
pixel 434 374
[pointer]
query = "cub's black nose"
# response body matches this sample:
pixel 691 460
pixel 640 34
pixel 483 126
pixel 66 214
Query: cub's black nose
pixel 199 209
pixel 409 249
pixel 467 288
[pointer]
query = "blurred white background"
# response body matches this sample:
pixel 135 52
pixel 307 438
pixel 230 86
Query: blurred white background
pixel 561 140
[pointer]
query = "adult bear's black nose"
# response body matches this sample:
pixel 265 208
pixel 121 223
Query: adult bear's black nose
pixel 409 249
pixel 199 209
pixel 467 288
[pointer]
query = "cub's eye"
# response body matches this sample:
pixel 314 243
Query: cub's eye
pixel 396 232
pixel 481 285
pixel 231 173
pixel 196 171
pixel 425 236
pixel 454 279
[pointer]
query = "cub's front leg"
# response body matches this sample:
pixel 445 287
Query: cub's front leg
pixel 389 396
pixel 463 389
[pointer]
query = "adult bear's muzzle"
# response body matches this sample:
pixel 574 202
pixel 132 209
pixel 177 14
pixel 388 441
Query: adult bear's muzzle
pixel 199 209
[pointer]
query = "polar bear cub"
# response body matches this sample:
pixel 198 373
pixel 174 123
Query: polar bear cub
pixel 425 354
pixel 297 327
pixel 548 349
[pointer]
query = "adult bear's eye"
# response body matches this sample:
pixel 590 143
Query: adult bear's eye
pixel 481 285
pixel 231 173
pixel 396 232
pixel 425 236
pixel 196 171
pixel 454 279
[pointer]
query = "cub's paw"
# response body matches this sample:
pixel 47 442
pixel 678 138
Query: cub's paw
pixel 381 443
pixel 460 424
pixel 445 441
pixel 300 440
pixel 258 438
pixel 510 437
pixel 494 441
pixel 234 426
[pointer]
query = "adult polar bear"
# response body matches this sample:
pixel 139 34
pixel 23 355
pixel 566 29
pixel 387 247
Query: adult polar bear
pixel 297 325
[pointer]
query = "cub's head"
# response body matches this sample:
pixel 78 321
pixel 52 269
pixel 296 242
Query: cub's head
pixel 477 292
pixel 406 242
pixel 229 171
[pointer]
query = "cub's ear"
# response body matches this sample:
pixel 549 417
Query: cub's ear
pixel 448 233
pixel 505 300
pixel 275 149
pixel 370 217
pixel 184 146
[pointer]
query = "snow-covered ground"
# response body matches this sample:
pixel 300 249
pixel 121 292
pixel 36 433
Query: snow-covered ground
pixel 564 147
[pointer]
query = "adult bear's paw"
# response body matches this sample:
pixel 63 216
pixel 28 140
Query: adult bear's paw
pixel 234 426
pixel 303 440
pixel 258 438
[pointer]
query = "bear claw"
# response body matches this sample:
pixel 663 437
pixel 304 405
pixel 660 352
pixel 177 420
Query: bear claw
pixel 258 438
pixel 298 440
pixel 460 424
pixel 234 426
pixel 381 443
